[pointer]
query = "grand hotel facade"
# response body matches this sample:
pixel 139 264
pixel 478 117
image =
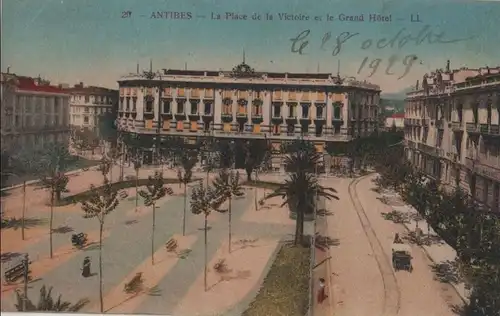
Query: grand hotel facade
pixel 244 104
pixel 452 130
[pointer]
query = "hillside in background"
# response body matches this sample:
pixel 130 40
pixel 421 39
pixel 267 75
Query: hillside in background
pixel 392 105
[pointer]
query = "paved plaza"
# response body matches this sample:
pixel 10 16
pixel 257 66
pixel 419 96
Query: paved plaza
pixel 127 250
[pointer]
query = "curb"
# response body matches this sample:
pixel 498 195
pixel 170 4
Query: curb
pixel 243 305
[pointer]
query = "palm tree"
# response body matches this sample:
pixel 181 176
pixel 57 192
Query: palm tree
pixel 188 161
pixel 100 203
pixel 105 166
pixel 204 200
pixel 155 190
pixel 299 192
pixel 227 185
pixel 257 154
pixel 47 303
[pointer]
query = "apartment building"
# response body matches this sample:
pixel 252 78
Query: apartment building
pixel 452 130
pixel 33 112
pixel 88 104
pixel 396 120
pixel 245 104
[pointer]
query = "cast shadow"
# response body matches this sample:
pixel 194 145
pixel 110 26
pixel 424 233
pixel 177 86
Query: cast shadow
pixel 446 272
pixel 396 217
pixel 63 229
pixel 325 242
pixel 17 223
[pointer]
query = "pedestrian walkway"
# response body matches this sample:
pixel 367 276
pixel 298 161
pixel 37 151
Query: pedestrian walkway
pixel 437 250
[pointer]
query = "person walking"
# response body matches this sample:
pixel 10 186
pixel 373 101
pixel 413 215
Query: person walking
pixel 86 267
pixel 321 291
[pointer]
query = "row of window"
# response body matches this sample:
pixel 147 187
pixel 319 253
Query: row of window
pixel 89 109
pixel 96 99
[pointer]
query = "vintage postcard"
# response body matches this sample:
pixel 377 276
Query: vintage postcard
pixel 256 158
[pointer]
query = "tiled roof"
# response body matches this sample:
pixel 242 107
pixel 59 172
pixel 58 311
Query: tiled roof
pixel 28 84
pixel 398 115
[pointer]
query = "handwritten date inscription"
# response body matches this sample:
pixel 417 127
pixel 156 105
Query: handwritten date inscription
pixel 401 39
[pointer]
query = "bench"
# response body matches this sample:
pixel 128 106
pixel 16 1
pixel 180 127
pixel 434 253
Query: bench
pixel 123 194
pixel 79 239
pixel 171 245
pixel 15 271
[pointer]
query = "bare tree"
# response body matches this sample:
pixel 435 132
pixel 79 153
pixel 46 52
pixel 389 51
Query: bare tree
pixel 155 190
pixel 100 203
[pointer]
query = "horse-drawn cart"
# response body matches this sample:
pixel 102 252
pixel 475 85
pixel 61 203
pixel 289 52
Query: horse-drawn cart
pixel 401 257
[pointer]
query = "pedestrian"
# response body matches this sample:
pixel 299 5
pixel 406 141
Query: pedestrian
pixel 321 291
pixel 86 267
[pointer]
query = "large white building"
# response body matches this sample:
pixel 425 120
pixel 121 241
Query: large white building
pixel 87 104
pixel 245 104
pixel 33 112
pixel 452 130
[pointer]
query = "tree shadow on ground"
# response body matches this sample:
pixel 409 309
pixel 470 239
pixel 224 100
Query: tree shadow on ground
pixel 424 240
pixel 154 291
pixel 459 310
pixel 446 272
pixel 396 217
pixel 131 222
pixel 7 256
pixel 325 242
pixel 226 276
pixel 91 246
pixel 17 223
pixel 63 229
pixel 324 212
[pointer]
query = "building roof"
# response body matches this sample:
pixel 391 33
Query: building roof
pixel 24 83
pixel 90 90
pixel 398 115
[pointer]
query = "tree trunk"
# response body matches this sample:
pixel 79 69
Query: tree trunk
pixel 153 236
pixel 255 199
pixel 136 189
pixel 101 224
pixel 299 224
pixel 208 175
pixel 24 209
pixel 51 220
pixel 249 176
pixel 229 222
pixel 206 243
pixel 184 213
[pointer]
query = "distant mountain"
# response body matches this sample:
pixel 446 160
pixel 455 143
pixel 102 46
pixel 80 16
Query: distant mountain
pixel 400 95
pixel 392 105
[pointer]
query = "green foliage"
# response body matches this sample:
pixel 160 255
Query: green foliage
pixel 285 288
pixel 100 201
pixel 299 193
pixel 301 156
pixel 204 200
pixel 471 229
pixel 84 139
pixel 46 303
pixel 257 155
pixel 155 189
pixel 227 184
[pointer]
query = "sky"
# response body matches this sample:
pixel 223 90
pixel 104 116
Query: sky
pixel 71 41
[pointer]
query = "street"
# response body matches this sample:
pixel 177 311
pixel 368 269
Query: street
pixel 363 281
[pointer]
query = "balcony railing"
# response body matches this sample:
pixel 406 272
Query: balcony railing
pixel 456 126
pixel 471 128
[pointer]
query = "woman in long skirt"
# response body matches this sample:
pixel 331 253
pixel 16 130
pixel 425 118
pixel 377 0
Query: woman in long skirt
pixel 321 291
pixel 86 267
